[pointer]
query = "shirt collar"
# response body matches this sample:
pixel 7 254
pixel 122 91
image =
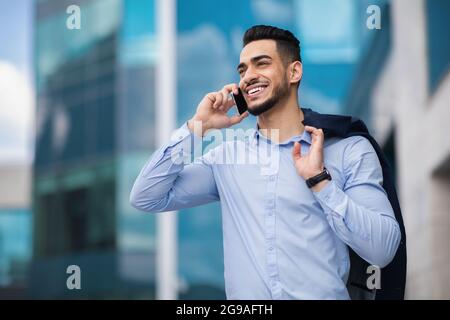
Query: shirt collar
pixel 304 136
pixel 332 125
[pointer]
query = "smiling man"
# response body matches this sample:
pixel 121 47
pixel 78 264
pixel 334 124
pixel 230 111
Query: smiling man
pixel 287 231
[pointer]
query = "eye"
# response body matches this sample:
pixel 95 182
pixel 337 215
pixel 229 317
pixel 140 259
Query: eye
pixel 263 63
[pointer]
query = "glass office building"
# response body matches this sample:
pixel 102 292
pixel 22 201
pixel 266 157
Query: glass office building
pixel 95 94
pixel 96 128
pixel 15 251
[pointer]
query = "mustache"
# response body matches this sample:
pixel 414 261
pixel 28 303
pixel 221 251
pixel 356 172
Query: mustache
pixel 255 82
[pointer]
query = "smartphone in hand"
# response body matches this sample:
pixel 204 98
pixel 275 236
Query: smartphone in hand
pixel 240 102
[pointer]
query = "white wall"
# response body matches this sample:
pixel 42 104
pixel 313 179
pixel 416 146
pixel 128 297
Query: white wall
pixel 15 186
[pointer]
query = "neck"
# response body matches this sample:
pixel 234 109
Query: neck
pixel 286 116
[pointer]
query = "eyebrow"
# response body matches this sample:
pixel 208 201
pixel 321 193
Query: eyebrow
pixel 254 60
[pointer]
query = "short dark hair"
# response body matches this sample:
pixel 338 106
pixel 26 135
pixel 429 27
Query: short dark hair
pixel 288 45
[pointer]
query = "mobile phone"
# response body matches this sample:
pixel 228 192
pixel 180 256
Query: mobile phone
pixel 240 102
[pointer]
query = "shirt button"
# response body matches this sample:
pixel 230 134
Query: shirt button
pixel 271 249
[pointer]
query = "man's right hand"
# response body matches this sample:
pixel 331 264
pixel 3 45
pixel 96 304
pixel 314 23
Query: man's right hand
pixel 212 111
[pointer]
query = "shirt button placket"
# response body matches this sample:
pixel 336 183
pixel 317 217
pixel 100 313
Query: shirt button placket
pixel 270 217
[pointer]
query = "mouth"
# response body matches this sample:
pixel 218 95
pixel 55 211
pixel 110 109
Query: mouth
pixel 256 90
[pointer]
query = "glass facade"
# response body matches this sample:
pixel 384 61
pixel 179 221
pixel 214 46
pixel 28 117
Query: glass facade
pixel 94 131
pixel 438 23
pixel 137 58
pixel 15 246
pixel 375 50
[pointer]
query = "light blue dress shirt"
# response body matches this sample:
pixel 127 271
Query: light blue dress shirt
pixel 281 239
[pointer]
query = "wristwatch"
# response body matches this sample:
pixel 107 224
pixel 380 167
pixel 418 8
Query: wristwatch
pixel 324 175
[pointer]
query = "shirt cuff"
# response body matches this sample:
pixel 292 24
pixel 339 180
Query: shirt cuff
pixel 332 199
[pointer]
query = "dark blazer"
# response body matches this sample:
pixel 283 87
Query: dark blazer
pixel 393 276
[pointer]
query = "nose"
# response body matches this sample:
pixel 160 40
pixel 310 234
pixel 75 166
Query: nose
pixel 249 77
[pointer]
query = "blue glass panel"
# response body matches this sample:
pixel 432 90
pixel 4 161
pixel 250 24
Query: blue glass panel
pixel 438 27
pixel 15 245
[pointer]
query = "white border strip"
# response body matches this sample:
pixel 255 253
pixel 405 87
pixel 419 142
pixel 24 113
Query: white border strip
pixel 166 224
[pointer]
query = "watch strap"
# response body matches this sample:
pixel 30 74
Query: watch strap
pixel 324 175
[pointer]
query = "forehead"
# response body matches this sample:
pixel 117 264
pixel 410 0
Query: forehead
pixel 258 48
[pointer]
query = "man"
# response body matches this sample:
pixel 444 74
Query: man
pixel 287 227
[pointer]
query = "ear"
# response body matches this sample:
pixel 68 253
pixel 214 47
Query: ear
pixel 295 72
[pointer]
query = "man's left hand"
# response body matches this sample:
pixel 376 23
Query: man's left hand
pixel 310 165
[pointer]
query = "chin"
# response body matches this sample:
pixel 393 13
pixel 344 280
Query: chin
pixel 261 107
pixel 258 103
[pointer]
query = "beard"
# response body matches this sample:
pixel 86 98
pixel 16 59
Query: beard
pixel 279 93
